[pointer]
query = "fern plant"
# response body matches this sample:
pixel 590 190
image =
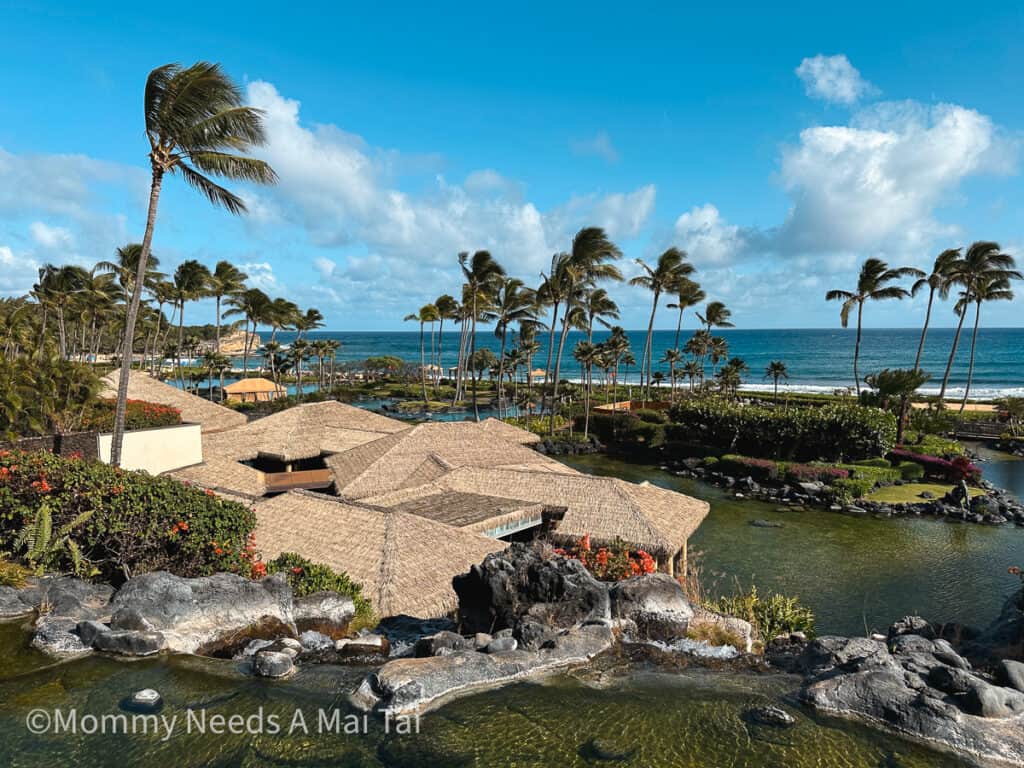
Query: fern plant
pixel 43 550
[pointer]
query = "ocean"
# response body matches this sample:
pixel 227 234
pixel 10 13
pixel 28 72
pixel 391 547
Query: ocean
pixel 818 359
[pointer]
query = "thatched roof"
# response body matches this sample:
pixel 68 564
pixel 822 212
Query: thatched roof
pixel 141 386
pixel 509 432
pixel 225 476
pixel 251 386
pixel 405 563
pixel 302 432
pixel 422 453
pixel 473 511
pixel 607 508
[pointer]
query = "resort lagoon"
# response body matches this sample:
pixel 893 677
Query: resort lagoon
pixel 640 717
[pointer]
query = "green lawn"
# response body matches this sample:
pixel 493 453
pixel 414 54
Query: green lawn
pixel 911 492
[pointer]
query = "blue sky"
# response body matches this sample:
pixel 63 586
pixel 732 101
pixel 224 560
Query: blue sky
pixel 780 148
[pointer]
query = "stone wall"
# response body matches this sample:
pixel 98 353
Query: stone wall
pixel 83 443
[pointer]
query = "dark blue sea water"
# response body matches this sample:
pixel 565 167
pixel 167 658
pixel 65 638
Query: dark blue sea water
pixel 817 359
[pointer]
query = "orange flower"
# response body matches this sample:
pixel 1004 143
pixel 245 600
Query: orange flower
pixel 218 551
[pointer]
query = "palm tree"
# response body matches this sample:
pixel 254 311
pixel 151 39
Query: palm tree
pixel 59 287
pixel 692 370
pixel 982 263
pixel 716 315
pixel 482 274
pixel 194 121
pixel 718 348
pixel 225 280
pixel 298 352
pixel 938 282
pixel 673 357
pixel 513 303
pixel 666 275
pixel 731 376
pixel 987 287
pixel 215 364
pixel 776 370
pixel 447 309
pixel 598 307
pixel 586 354
pixel 899 383
pixel 254 306
pixel 690 295
pixel 588 262
pixel 872 285
pixel 271 351
pixel 427 314
pixel 125 267
pixel 191 282
pixel 308 322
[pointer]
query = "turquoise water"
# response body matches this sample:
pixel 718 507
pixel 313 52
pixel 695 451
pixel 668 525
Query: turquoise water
pixel 857 574
pixel 818 359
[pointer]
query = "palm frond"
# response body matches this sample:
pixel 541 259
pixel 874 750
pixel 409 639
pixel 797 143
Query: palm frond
pixel 215 193
pixel 234 166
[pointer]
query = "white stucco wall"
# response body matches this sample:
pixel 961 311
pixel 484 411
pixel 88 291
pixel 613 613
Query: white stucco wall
pixel 157 450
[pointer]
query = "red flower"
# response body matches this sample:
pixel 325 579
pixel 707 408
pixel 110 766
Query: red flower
pixel 296 570
pixel 209 492
pixel 218 551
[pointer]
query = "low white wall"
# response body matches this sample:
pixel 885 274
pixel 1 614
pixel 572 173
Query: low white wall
pixel 157 450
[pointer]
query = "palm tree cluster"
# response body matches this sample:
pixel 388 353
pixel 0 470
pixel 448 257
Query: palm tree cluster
pixel 981 274
pixel 571 296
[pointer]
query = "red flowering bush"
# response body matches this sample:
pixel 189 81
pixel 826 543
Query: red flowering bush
pixel 138 523
pixel 759 469
pixel 960 468
pixel 613 563
pixel 806 473
pixel 139 414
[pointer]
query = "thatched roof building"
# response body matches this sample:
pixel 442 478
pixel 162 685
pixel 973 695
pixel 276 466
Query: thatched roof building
pixel 405 563
pixel 424 453
pixel 605 508
pixel 513 434
pixel 254 390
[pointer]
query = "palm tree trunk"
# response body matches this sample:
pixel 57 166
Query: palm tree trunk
pixel 62 334
pixel 551 350
pixel 974 343
pixel 924 331
pixel 423 366
pixel 133 313
pixel 856 348
pixel 181 329
pixel 952 355
pixel 558 370
pixel 472 356
pixel 649 347
pixel 501 368
pixel 440 364
pixel 586 405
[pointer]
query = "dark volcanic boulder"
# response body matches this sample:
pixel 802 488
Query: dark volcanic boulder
pixel 518 583
pixel 207 614
pixel 655 603
pixel 67 602
pixel 1004 639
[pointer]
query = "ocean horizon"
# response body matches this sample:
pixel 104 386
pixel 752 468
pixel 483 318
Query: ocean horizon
pixel 818 359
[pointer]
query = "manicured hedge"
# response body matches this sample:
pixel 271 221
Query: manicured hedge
pixel 118 523
pixel 832 432
pixel 955 470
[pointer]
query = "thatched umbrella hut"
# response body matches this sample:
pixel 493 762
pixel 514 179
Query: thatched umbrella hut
pixel 405 563
pixel 254 390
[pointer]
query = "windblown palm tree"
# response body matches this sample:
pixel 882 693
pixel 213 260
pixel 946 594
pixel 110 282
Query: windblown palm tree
pixel 513 303
pixel 447 309
pixel 195 119
pixel 598 307
pixel 692 370
pixel 587 355
pixel 587 263
pixel 665 276
pixel 776 370
pixel 191 283
pixel 982 263
pixel 872 285
pixel 673 357
pixel 225 280
pixel 989 287
pixel 939 281
pixel 427 314
pixel 58 287
pixel 310 321
pixel 690 295
pixel 253 306
pixel 483 275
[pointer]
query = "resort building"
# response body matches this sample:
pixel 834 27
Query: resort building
pixel 405 563
pixel 255 390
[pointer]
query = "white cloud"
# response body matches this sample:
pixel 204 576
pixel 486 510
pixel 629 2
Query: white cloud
pixel 877 181
pixel 338 189
pixel 261 275
pixel 833 78
pixel 707 237
pixel 17 272
pixel 598 145
pixel 51 237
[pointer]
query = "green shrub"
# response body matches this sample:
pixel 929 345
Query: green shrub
pixel 120 523
pixel 771 615
pixel 881 462
pixel 13 575
pixel 911 471
pixel 850 489
pixel 831 432
pixel 652 416
pixel 139 414
pixel 932 445
pixel 625 432
pixel 710 462
pixel 308 578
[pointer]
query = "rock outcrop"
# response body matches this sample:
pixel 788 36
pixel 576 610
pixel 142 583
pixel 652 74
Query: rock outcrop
pixel 415 684
pixel 914 684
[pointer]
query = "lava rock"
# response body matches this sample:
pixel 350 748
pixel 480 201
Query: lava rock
pixel 655 603
pixel 440 643
pixel 771 715
pixel 501 645
pixel 129 642
pixel 273 664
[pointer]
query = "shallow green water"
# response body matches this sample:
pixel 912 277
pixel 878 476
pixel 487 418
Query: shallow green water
pixel 858 574
pixel 693 719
